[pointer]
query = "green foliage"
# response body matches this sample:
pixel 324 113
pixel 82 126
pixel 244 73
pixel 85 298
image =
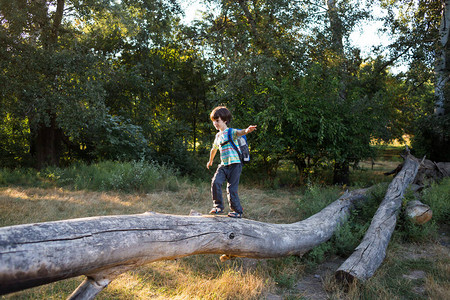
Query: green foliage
pixel 122 80
pixel 350 233
pixel 57 81
pixel 411 232
pixel 170 145
pixel 14 141
pixel 22 177
pixel 315 199
pixel 115 139
pixel 135 176
pixel 282 270
pixel 432 137
pixel 438 198
pixel 395 282
pixel 348 236
pixel 319 253
pixel 417 33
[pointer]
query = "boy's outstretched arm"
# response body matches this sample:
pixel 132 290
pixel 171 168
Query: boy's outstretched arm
pixel 249 129
pixel 212 154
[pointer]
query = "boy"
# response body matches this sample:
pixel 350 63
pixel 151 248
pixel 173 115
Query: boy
pixel 230 167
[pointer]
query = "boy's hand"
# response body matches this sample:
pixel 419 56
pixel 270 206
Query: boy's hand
pixel 209 164
pixel 250 128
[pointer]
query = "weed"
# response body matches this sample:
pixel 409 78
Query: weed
pixel 286 271
pixel 318 254
pixel 22 177
pixel 438 198
pixel 316 198
pixel 136 176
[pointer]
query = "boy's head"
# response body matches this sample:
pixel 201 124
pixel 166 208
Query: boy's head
pixel 221 112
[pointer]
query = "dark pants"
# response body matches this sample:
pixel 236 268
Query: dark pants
pixel 231 174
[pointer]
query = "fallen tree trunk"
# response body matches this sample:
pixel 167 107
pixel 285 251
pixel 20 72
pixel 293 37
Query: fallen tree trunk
pixel 371 252
pixel 104 247
pixel 429 171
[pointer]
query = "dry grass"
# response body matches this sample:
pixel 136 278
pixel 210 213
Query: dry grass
pixel 30 205
pixel 195 277
pixel 176 280
pixel 393 279
pixel 204 276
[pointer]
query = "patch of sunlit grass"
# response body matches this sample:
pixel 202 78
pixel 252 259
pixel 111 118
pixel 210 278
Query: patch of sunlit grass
pixel 204 276
pixel 180 280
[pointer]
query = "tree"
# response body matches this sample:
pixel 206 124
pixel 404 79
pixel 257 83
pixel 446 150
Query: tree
pixel 56 57
pixel 442 65
pixel 290 66
pixel 49 80
pixel 420 33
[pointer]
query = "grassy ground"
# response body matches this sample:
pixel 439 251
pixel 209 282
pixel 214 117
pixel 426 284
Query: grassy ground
pixel 417 265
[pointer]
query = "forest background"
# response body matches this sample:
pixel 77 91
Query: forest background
pixel 89 81
pixel 104 109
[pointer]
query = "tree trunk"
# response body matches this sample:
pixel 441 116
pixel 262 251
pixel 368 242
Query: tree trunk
pixel 429 171
pixel 341 173
pixel 442 67
pixel 47 144
pixel 369 255
pixel 47 140
pixel 337 36
pixel 104 247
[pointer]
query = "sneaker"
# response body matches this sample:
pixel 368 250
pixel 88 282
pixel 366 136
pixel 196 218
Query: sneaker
pixel 216 211
pixel 234 214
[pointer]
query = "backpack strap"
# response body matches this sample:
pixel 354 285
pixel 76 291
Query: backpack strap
pixel 230 139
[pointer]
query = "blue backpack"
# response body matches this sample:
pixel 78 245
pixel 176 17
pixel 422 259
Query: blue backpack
pixel 243 150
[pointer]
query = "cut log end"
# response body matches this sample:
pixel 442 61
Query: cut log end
pixel 418 212
pixel 345 278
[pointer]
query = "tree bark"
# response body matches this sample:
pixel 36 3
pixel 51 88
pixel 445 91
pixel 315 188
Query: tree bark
pixel 428 171
pixel 337 44
pixel 341 173
pixel 104 247
pixel 370 253
pixel 48 143
pixel 442 67
pixel 431 171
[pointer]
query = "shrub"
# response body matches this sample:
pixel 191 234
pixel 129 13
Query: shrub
pixel 316 198
pixel 319 253
pixel 140 176
pixel 21 177
pixel 438 198
pixel 349 234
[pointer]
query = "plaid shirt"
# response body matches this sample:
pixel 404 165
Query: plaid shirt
pixel 228 155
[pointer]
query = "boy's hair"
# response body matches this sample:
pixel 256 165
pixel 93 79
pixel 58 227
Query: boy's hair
pixel 221 112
